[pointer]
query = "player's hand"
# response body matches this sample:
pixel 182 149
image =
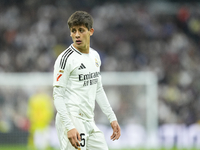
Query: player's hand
pixel 74 137
pixel 116 130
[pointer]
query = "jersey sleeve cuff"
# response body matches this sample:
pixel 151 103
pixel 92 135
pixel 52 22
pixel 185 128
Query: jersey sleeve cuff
pixel 113 119
pixel 70 127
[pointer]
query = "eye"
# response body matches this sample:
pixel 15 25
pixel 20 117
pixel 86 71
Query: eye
pixel 73 31
pixel 81 30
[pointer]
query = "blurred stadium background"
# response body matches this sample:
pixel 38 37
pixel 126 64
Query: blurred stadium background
pixel 161 37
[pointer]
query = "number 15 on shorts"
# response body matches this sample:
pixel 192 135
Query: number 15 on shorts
pixel 82 143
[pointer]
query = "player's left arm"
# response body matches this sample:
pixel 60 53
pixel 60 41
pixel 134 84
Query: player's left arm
pixel 104 104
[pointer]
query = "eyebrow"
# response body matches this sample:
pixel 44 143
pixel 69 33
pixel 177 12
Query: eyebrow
pixel 77 29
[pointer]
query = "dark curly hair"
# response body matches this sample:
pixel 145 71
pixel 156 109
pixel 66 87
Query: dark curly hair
pixel 80 18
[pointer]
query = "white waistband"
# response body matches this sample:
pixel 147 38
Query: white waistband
pixel 78 113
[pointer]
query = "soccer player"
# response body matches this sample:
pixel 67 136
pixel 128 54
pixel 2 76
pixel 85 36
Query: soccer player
pixel 77 84
pixel 40 113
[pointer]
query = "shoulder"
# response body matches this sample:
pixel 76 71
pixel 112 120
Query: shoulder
pixel 63 57
pixel 96 56
pixel 67 56
pixel 94 52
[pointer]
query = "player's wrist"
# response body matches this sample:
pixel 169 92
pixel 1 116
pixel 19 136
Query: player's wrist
pixel 114 118
pixel 70 128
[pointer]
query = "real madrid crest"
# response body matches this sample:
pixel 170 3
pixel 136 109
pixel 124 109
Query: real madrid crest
pixel 96 62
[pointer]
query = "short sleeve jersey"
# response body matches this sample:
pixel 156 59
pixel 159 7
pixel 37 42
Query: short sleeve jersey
pixel 79 74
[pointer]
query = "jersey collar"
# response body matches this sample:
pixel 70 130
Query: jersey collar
pixel 73 48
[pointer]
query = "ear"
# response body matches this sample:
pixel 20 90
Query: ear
pixel 91 31
pixel 70 31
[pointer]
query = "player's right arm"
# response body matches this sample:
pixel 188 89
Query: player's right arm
pixel 61 76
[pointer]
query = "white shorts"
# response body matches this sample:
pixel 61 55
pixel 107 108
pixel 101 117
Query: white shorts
pixel 91 137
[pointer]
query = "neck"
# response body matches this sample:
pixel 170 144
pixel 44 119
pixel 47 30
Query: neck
pixel 83 49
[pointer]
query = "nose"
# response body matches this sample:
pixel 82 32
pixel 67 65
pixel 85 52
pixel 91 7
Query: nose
pixel 77 34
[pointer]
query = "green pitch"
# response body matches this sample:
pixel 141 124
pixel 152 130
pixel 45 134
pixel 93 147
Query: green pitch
pixel 23 147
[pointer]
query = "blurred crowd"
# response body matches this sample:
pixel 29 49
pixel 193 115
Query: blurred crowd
pixel 163 38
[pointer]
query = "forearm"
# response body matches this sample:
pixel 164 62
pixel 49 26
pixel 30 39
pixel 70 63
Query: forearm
pixel 58 94
pixel 104 104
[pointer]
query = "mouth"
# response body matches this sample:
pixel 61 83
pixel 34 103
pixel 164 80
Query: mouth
pixel 78 42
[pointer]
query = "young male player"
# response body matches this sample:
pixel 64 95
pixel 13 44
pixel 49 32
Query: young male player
pixel 77 84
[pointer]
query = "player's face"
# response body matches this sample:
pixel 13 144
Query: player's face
pixel 81 37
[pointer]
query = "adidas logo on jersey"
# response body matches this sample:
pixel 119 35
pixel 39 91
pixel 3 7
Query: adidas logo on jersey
pixel 81 66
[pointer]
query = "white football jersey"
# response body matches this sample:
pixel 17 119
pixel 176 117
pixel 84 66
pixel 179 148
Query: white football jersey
pixel 79 74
